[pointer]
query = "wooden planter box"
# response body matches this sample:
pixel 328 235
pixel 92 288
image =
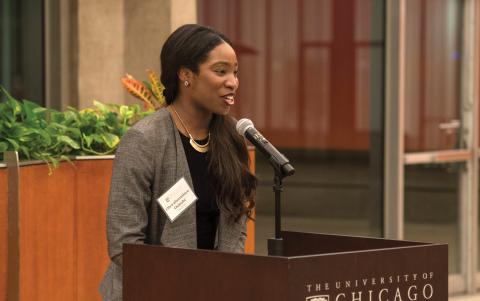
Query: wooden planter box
pixel 62 247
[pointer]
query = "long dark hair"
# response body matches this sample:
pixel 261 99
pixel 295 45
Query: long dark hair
pixel 234 184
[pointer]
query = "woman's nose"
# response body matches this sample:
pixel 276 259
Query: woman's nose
pixel 232 82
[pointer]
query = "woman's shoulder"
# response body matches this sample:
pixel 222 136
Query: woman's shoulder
pixel 152 129
pixel 154 124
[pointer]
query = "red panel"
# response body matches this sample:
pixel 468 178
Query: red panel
pixel 309 69
pixel 342 71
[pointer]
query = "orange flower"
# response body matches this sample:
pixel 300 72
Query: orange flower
pixel 156 87
pixel 139 90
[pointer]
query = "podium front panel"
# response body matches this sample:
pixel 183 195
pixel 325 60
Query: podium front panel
pixel 365 269
pixel 159 273
pixel 342 269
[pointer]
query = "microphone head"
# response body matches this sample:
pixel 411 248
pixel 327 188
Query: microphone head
pixel 244 124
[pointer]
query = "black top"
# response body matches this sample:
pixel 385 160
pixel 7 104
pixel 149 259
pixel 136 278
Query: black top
pixel 207 209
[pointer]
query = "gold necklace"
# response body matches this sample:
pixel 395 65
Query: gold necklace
pixel 196 146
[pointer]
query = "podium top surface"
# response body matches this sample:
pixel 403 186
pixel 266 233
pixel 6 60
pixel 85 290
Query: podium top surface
pixel 304 244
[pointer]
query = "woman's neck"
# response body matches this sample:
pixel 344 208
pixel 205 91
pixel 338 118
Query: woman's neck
pixel 195 119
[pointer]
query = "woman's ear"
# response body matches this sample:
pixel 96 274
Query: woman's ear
pixel 185 74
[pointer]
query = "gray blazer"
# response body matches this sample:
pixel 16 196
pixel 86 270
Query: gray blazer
pixel 148 161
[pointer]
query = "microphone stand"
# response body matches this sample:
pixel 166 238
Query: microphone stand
pixel 282 168
pixel 275 245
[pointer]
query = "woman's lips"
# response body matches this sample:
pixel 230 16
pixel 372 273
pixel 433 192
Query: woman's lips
pixel 229 100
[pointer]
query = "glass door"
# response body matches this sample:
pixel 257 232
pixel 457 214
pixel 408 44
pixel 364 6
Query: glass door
pixel 438 125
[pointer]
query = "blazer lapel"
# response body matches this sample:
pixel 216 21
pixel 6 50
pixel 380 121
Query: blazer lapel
pixel 185 226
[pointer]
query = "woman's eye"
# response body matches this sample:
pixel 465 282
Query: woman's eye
pixel 221 72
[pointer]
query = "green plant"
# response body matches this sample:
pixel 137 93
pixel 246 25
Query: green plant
pixel 39 133
pixel 101 128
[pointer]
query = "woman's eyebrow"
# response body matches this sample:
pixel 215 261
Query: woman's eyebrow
pixel 226 63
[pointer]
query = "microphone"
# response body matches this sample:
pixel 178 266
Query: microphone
pixel 277 160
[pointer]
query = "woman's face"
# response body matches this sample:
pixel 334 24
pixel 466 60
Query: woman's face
pixel 214 87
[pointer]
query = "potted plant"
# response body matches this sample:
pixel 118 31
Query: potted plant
pixel 60 221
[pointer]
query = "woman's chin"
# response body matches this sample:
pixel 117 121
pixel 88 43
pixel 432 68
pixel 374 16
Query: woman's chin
pixel 223 111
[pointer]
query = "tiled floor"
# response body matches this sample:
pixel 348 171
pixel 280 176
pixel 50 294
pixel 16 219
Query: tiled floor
pixel 466 298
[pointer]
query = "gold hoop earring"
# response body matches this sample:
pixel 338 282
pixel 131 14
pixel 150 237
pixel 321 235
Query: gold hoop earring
pixel 186 83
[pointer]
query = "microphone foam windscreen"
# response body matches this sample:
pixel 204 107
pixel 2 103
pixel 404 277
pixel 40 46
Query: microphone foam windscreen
pixel 242 125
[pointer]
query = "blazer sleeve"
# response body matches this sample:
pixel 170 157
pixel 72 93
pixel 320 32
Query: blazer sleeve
pixel 130 193
pixel 242 237
pixel 232 235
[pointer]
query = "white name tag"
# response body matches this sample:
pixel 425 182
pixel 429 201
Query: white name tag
pixel 177 199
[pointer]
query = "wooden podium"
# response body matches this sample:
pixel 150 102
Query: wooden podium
pixel 315 267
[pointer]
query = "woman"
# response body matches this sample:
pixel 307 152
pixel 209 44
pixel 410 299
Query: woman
pixel 194 138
